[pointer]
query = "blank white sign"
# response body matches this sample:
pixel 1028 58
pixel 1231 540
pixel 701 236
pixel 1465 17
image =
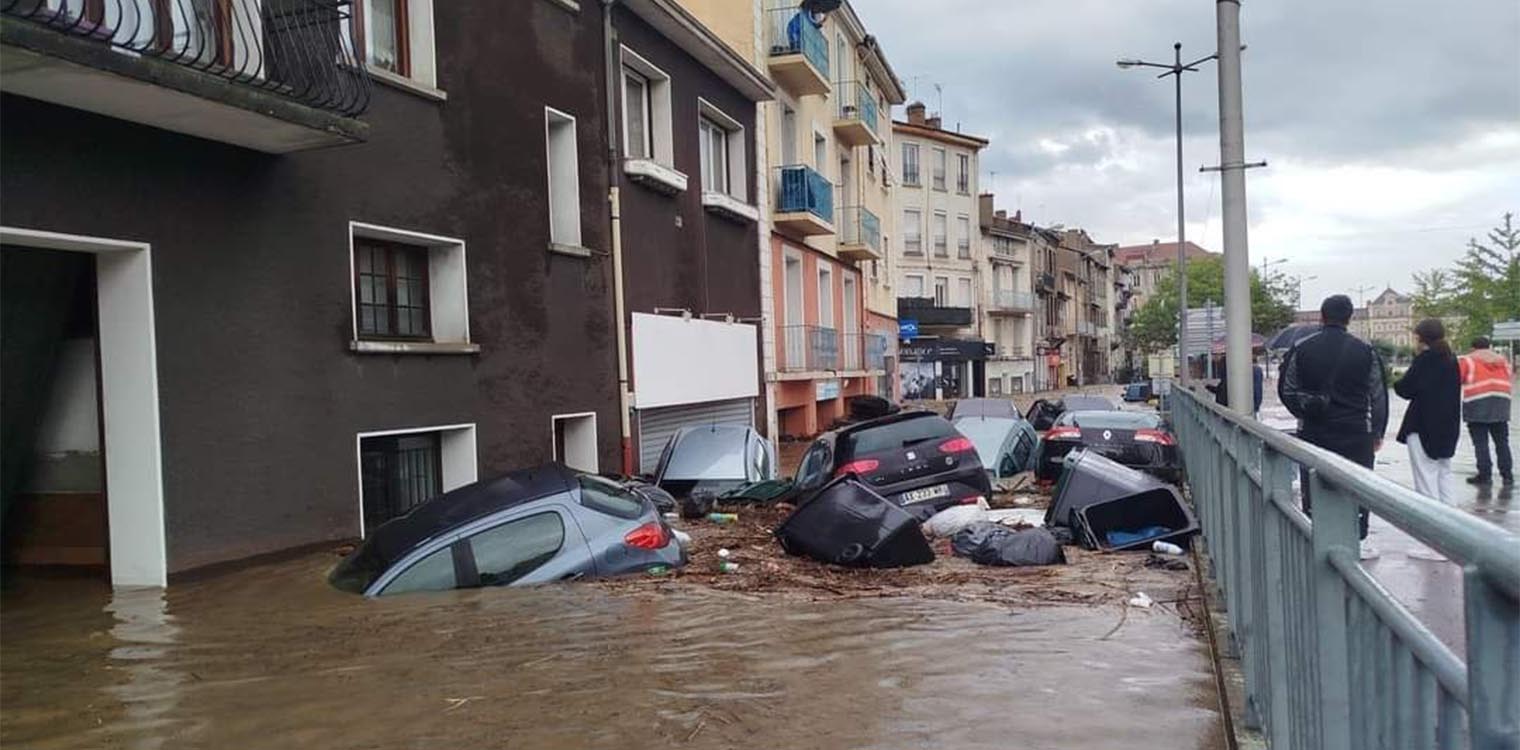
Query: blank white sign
pixel 678 361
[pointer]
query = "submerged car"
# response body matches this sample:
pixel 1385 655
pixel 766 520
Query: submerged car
pixel 1006 446
pixel 714 459
pixel 983 407
pixel 1136 439
pixel 531 526
pixel 914 459
pixel 1044 412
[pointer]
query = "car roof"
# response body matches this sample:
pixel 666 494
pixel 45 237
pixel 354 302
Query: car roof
pixel 902 416
pixel 724 447
pixel 458 507
pixel 993 407
pixel 1086 402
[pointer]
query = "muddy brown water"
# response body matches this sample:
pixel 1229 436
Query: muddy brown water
pixel 271 657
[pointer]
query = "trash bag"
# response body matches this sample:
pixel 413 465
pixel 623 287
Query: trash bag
pixel 951 520
pixel 994 544
pixel 696 505
pixel 763 492
pixel 663 502
pixel 847 523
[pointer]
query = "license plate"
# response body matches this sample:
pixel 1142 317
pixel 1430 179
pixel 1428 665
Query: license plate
pixel 927 493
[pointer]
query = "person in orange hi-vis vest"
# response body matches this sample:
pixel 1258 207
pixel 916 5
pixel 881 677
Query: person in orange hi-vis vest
pixel 1486 386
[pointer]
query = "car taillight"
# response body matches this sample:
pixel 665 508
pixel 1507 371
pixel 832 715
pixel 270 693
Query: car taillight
pixel 1154 436
pixel 956 445
pixel 1064 433
pixel 973 500
pixel 649 536
pixel 863 466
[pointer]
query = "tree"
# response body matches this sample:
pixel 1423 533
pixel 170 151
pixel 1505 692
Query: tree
pixel 1481 289
pixel 1154 326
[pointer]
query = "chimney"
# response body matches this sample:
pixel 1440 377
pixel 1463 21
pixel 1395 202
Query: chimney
pixel 1001 214
pixel 984 209
pixel 933 122
pixel 1019 216
pixel 916 113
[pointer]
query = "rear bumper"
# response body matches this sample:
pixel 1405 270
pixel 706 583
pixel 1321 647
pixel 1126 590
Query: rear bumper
pixel 963 486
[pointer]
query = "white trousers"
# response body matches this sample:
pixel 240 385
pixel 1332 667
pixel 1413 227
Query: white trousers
pixel 1432 476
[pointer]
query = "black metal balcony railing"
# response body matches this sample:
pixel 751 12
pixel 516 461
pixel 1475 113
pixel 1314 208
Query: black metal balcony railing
pixel 299 49
pixel 927 313
pixel 809 349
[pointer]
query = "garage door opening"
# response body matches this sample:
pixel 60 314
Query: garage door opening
pixel 82 460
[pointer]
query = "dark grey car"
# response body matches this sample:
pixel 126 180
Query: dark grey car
pixel 714 459
pixel 532 526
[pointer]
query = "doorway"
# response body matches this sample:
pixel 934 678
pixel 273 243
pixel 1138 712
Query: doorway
pixel 82 448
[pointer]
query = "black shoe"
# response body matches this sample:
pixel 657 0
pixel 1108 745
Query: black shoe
pixel 1509 479
pixel 1480 479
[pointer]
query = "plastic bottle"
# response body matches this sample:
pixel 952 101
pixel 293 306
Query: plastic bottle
pixel 728 567
pixel 1166 548
pixel 658 570
pixel 722 518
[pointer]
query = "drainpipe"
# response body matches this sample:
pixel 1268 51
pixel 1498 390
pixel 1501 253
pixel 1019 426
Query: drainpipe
pixel 625 427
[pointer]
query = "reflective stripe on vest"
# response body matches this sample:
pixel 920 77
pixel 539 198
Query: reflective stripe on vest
pixel 1485 375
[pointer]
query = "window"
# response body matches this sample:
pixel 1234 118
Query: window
pixel 825 298
pixel 913 241
pixel 636 129
pixel 788 135
pixel 817 465
pixel 564 180
pixel 714 156
pixel 941 291
pixel 913 285
pixel 646 111
pixel 871 162
pixel 910 164
pixel 516 548
pixel 395 37
pixel 575 440
pixel 963 238
pixel 391 288
pixel 963 293
pixel 608 497
pixel 963 174
pixel 724 161
pixel 409 292
pixel 432 573
pixel 941 243
pixel 939 169
pixel 820 152
pixel 399 472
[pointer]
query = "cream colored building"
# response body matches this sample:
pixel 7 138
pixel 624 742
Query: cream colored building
pixel 830 327
pixel 1389 319
pixel 1008 306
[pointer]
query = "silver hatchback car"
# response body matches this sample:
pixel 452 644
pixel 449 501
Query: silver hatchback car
pixel 532 526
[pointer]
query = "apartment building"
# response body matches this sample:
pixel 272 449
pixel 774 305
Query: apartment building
pixel 276 279
pixel 1151 263
pixel 937 274
pixel 1389 319
pixel 825 198
pixel 1050 327
pixel 1008 304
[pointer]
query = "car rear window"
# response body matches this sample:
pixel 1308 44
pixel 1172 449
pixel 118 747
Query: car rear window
pixel 894 435
pixel 1122 420
pixel 1088 403
pixel 608 497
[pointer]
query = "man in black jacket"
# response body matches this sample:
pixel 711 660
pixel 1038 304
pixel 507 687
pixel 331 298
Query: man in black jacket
pixel 1333 382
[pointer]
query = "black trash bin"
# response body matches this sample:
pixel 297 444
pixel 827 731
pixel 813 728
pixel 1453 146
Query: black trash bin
pixel 1088 478
pixel 1152 509
pixel 847 523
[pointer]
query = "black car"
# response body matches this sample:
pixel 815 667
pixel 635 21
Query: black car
pixel 1137 393
pixel 915 459
pixel 1140 440
pixel 1044 412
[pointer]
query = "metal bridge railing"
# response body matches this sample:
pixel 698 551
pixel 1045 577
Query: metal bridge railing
pixel 1331 659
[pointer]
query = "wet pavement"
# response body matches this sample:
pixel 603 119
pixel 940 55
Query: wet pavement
pixel 271 657
pixel 1432 589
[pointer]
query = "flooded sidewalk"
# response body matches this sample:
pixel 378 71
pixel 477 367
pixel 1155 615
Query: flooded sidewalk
pixel 271 657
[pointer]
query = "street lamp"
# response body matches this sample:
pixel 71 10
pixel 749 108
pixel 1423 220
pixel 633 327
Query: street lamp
pixel 1298 290
pixel 1176 69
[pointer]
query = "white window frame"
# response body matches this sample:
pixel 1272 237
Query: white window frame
pixel 941 299
pixel 458 459
pixel 562 171
pixel 915 178
pixel 734 201
pixel 963 174
pixel 939 229
pixel 657 95
pixel 825 306
pixel 448 293
pixel 965 291
pixel 422 53
pixel 908 283
pixel 963 242
pixel 787 318
pixel 939 169
pixel 576 457
pixel 913 236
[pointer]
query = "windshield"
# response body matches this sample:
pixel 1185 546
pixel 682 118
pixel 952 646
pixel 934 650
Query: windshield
pixel 987 434
pixel 1110 420
pixel 715 452
pixel 894 435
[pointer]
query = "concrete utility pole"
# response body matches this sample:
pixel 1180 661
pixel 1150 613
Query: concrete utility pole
pixel 1237 257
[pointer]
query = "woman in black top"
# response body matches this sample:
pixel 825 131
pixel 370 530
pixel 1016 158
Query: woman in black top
pixel 1433 422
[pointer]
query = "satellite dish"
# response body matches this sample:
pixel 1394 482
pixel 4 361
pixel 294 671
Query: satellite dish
pixel 820 7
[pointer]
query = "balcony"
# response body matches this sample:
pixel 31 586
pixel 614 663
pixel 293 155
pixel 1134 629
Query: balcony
pixel 859 234
pixel 855 122
pixel 271 75
pixel 798 54
pixel 804 201
pixel 929 314
pixel 1006 302
pixel 1085 328
pixel 1045 283
pixel 876 351
pixel 809 349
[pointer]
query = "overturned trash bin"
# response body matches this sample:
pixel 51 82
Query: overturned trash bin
pixel 1110 506
pixel 847 523
pixel 987 543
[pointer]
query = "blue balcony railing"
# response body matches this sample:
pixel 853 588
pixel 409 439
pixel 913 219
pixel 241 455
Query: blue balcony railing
pixel 856 103
pixel 800 188
pixel 858 226
pixel 790 32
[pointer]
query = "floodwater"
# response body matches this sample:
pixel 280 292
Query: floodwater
pixel 271 657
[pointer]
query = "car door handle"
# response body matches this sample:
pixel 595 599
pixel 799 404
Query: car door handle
pixel 576 576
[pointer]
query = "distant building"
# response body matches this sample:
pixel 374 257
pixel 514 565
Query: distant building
pixel 1008 301
pixel 1149 264
pixel 1388 318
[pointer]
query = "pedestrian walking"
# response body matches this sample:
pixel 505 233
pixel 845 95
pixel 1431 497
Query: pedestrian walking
pixel 1433 423
pixel 1333 383
pixel 1222 389
pixel 1486 386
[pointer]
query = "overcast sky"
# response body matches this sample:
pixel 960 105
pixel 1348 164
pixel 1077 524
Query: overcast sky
pixel 1392 128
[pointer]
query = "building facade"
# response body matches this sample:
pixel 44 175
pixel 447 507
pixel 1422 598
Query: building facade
pixel 937 276
pixel 1151 263
pixel 1007 301
pixel 277 283
pixel 1390 319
